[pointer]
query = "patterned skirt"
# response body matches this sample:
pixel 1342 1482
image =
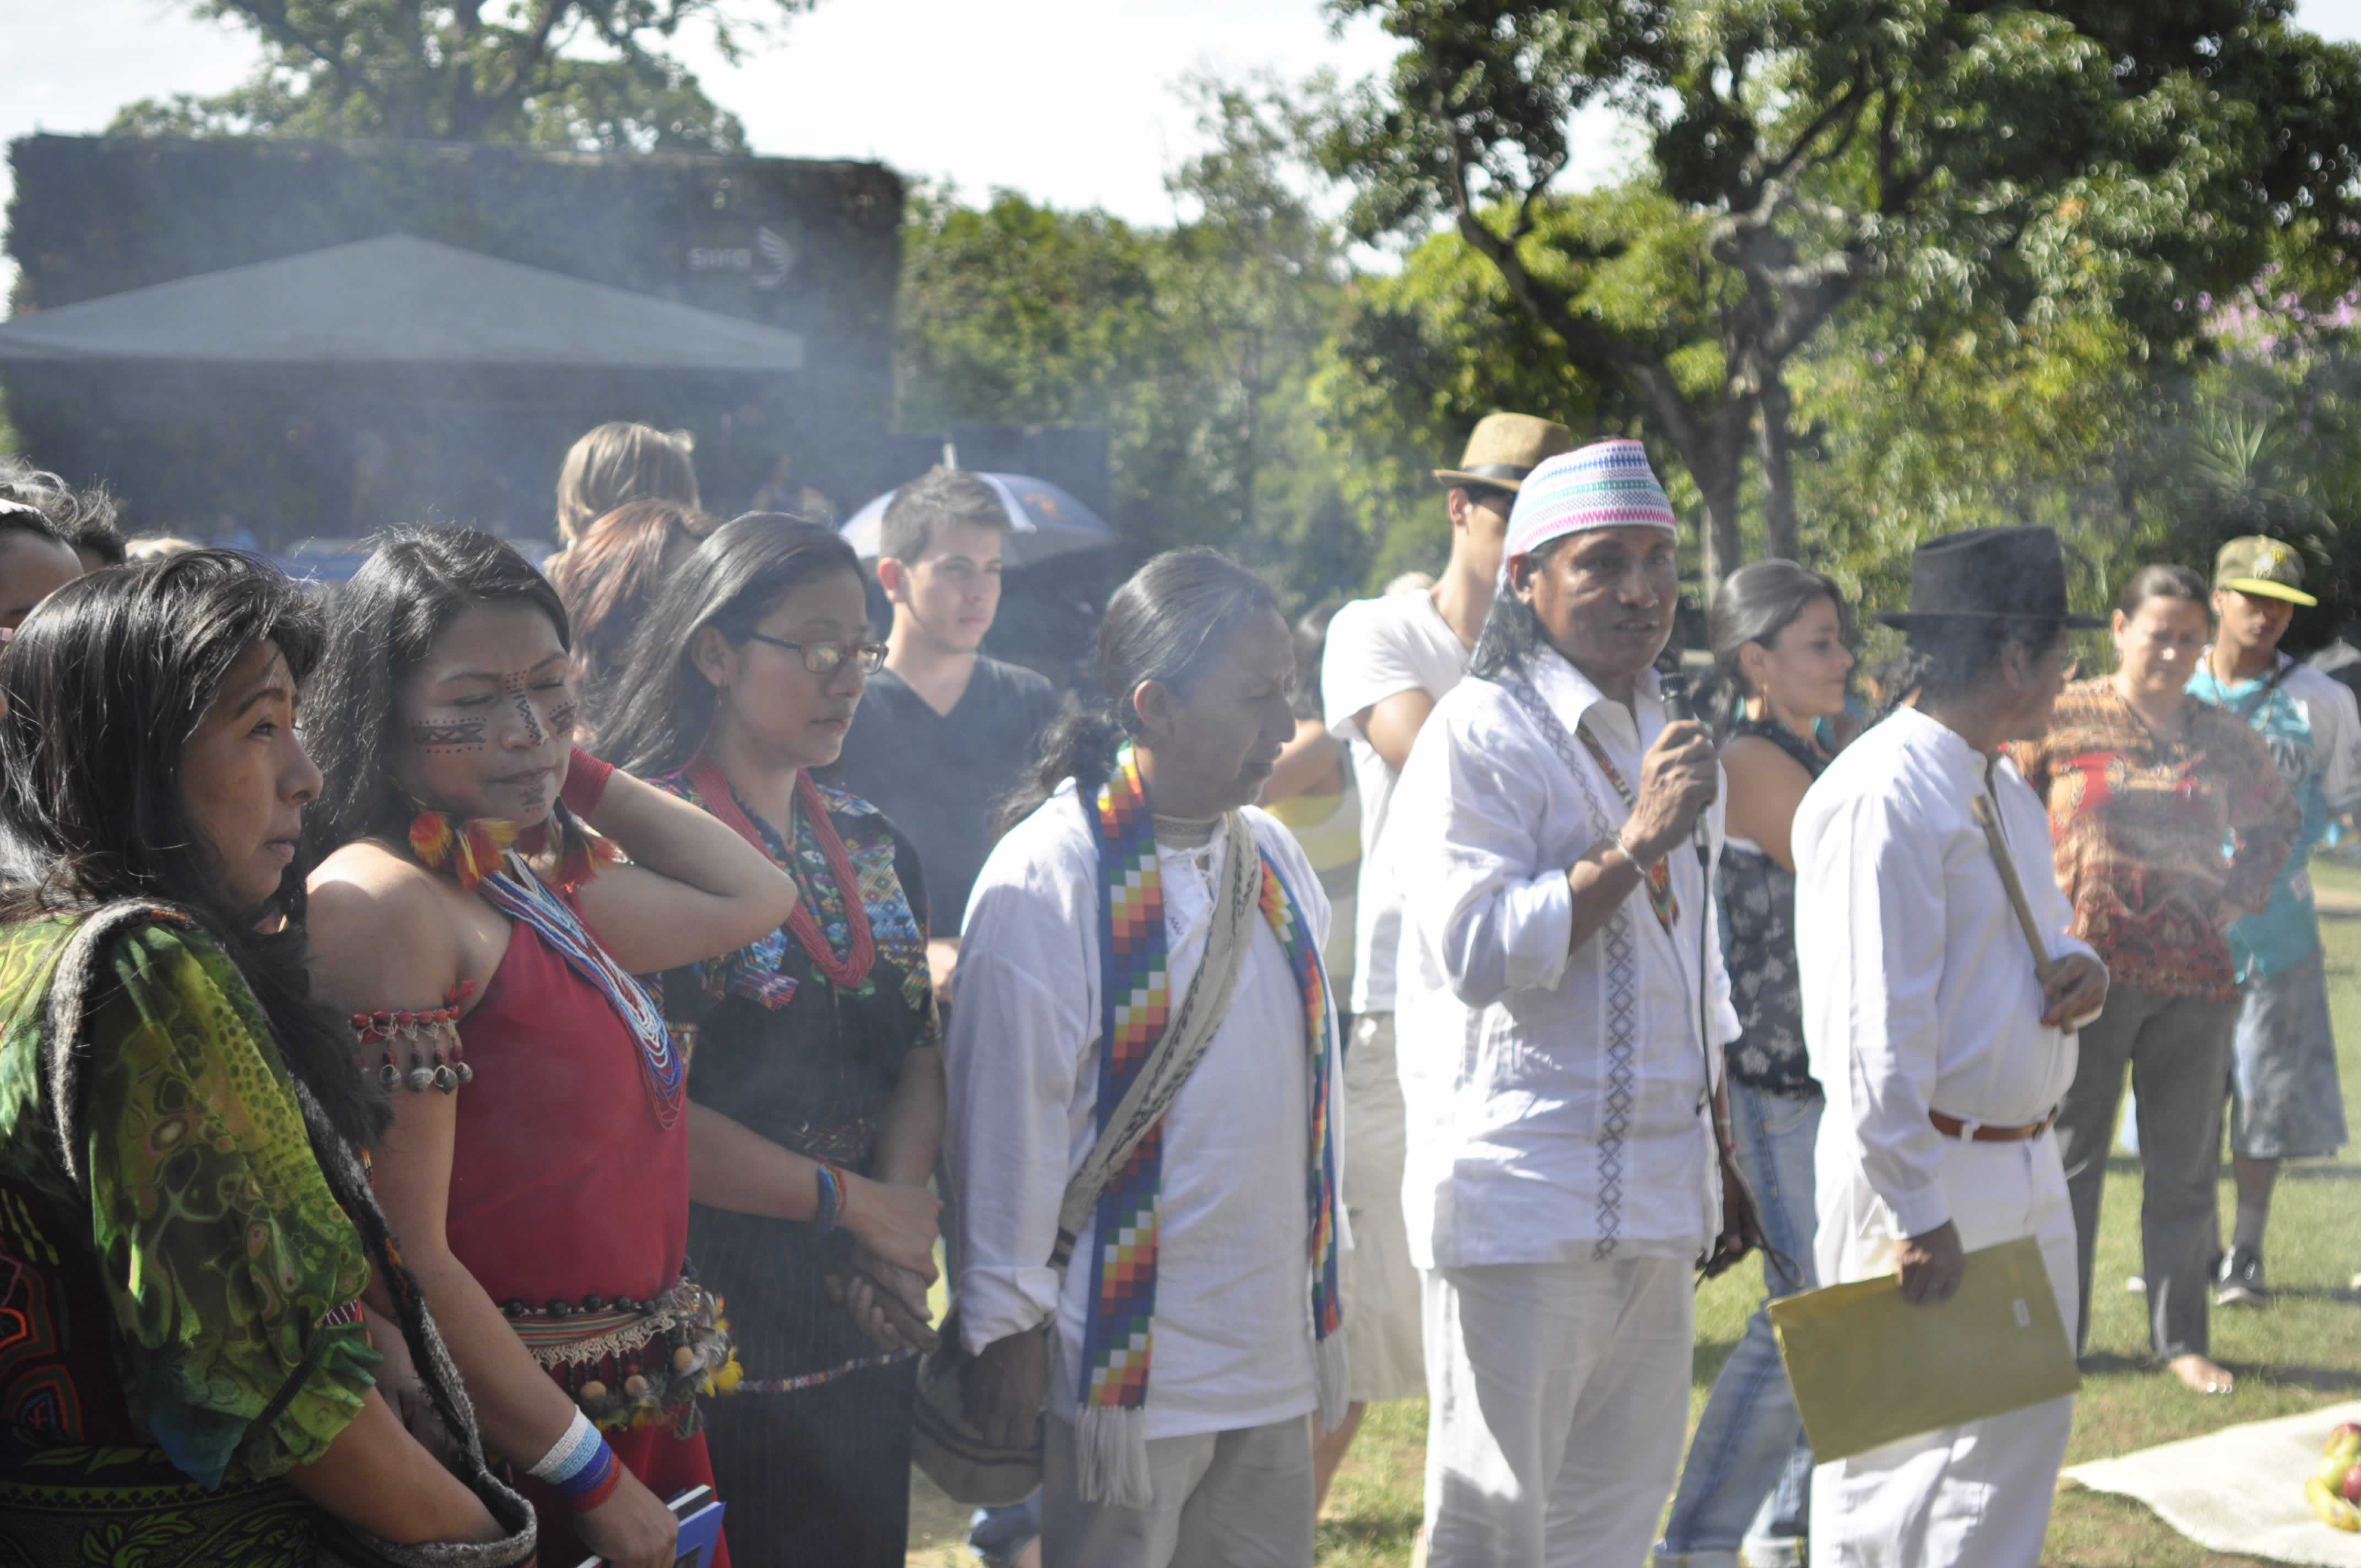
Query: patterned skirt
pixel 98 1507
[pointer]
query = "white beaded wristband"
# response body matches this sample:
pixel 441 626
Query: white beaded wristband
pixel 570 1452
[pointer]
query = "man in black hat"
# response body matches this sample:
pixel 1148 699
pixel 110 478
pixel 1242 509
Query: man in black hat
pixel 1943 1050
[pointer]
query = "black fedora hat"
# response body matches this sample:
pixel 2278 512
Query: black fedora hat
pixel 1989 574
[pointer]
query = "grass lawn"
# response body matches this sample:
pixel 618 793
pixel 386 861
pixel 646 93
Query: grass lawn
pixel 2302 1351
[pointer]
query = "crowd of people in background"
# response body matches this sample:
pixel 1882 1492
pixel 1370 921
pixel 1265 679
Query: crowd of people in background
pixel 485 1048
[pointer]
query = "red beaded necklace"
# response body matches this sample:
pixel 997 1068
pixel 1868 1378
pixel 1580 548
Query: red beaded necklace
pixel 849 971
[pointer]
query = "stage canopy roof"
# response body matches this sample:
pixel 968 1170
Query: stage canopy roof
pixel 398 301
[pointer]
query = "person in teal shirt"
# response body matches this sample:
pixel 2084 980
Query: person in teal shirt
pixel 2284 1099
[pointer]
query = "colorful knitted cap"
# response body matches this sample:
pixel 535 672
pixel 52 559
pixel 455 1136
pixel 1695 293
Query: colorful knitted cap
pixel 1607 484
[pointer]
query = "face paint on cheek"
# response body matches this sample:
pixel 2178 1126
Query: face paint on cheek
pixel 561 720
pixel 514 686
pixel 467 735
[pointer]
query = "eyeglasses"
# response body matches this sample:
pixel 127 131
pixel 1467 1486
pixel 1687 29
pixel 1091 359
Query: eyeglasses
pixel 827 658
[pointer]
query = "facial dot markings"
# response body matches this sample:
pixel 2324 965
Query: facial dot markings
pixel 513 684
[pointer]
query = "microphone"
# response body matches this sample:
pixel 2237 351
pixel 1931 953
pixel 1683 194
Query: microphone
pixel 1680 709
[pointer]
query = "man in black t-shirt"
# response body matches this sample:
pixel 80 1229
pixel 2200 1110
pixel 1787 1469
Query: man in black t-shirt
pixel 944 732
pixel 942 735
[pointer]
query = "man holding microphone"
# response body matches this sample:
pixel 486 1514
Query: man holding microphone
pixel 1563 1011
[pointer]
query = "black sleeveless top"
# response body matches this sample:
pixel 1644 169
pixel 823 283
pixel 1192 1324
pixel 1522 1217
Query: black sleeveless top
pixel 1756 896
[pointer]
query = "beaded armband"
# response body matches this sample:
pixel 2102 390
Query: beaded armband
pixel 420 1050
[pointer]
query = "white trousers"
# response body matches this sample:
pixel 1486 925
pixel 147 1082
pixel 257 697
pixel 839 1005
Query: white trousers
pixel 1223 1500
pixel 1978 1495
pixel 1558 1396
pixel 1383 1340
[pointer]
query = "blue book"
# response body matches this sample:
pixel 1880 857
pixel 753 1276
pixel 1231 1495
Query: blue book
pixel 699 1513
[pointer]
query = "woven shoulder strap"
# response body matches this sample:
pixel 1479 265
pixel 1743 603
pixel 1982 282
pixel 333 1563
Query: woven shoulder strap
pixel 1238 904
pixel 63 1049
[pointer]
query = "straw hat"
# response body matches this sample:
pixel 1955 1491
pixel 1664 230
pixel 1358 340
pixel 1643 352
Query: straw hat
pixel 1503 448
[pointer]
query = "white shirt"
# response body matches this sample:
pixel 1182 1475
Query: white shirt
pixel 1376 648
pixel 2328 708
pixel 1544 1128
pixel 1232 1329
pixel 1919 992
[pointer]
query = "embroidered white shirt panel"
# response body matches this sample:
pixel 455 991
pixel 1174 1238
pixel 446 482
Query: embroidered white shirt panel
pixel 1558 1099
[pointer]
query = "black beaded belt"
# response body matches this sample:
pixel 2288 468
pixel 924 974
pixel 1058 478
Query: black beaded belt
pixel 622 1359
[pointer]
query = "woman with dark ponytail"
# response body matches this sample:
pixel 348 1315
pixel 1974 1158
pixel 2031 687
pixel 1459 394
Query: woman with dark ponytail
pixel 1781 636
pixel 184 1214
pixel 1139 912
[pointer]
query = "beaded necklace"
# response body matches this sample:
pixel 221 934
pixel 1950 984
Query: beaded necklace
pixel 484 857
pixel 518 893
pixel 471 851
pixel 848 972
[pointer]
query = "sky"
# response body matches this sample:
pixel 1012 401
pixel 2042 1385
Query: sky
pixel 1077 102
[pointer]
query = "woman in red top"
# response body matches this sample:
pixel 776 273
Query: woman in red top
pixel 2146 785
pixel 537 1169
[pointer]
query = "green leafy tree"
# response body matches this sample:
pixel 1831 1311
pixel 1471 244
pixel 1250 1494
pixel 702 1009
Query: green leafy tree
pixel 2013 164
pixel 1194 345
pixel 581 73
pixel 1422 354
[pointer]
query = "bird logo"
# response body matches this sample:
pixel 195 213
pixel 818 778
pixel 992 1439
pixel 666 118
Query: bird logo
pixel 777 256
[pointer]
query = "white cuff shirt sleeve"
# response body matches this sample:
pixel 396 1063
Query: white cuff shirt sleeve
pixel 1014 1051
pixel 1497 920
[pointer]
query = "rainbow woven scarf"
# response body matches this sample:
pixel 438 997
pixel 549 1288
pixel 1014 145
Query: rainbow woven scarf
pixel 1135 1004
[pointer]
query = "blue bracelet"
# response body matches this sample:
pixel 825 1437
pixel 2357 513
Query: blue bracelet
pixel 832 1198
pixel 590 1485
pixel 571 1454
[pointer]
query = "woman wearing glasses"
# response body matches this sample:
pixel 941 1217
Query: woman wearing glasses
pixel 483 945
pixel 816 1087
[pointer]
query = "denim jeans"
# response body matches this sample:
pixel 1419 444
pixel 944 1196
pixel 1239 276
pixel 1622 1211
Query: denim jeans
pixel 1749 1475
pixel 997 1535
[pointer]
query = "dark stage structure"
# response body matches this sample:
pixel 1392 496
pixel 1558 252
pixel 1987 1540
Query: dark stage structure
pixel 313 340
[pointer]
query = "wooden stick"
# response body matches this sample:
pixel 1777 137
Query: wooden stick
pixel 2042 963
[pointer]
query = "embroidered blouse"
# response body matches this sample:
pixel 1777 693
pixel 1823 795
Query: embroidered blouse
pixel 1756 898
pixel 199 1300
pixel 810 1065
pixel 2138 826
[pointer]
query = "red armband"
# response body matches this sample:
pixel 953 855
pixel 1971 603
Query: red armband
pixel 586 783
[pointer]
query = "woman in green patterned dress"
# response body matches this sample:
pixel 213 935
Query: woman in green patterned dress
pixel 186 1374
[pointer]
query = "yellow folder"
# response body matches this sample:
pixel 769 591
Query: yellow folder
pixel 1868 1368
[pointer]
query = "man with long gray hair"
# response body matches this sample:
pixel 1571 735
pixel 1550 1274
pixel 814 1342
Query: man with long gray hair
pixel 1944 1043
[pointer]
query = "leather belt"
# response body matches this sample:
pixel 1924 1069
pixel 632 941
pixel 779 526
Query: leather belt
pixel 1983 1133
